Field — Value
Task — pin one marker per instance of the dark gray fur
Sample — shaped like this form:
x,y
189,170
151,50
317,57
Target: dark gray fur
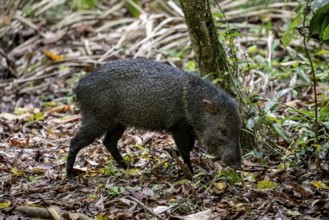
x,y
147,94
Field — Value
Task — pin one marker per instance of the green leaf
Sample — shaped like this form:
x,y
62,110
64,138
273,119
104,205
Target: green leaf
x,y
249,176
84,4
322,51
281,132
291,123
271,117
133,7
191,66
20,111
220,185
252,49
27,7
325,34
324,24
291,31
266,184
320,185
171,52
16,172
324,111
231,177
319,20
271,105
180,182
309,113
5,205
296,20
287,37
37,117
133,172
115,190
293,213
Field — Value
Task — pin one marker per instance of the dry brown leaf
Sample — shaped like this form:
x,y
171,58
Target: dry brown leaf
x,y
53,56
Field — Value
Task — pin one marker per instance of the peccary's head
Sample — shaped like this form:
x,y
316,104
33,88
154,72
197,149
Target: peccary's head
x,y
221,133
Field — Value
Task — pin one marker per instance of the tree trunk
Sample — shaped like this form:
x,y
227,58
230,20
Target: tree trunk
x,y
209,52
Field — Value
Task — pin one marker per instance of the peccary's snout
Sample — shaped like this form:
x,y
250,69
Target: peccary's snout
x,y
229,154
232,156
231,161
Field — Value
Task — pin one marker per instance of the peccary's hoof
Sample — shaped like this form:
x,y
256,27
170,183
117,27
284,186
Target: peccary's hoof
x,y
123,165
71,181
70,177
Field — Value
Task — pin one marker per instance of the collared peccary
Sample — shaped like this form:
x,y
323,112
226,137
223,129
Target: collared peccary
x,y
147,94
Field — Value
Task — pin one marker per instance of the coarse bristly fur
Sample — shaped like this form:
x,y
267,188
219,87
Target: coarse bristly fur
x,y
151,95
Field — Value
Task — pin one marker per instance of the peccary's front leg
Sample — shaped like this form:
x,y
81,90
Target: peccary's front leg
x,y
185,142
192,141
111,141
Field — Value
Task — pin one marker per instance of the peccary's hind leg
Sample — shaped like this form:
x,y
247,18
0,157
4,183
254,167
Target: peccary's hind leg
x,y
86,135
184,141
111,141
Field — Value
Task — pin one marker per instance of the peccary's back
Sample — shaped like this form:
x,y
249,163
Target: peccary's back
x,y
135,92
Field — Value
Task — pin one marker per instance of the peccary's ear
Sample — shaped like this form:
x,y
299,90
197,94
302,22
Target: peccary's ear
x,y
209,106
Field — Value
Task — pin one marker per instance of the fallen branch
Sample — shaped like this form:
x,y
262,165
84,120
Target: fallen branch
x,y
53,212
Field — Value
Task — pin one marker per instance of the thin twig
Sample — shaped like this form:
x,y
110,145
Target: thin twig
x,y
316,122
144,206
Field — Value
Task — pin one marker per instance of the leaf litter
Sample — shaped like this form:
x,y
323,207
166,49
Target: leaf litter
x,y
38,118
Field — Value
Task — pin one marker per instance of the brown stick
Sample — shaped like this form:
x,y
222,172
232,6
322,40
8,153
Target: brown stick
x,y
183,167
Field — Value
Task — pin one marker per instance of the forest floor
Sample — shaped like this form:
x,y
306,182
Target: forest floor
x,y
46,48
